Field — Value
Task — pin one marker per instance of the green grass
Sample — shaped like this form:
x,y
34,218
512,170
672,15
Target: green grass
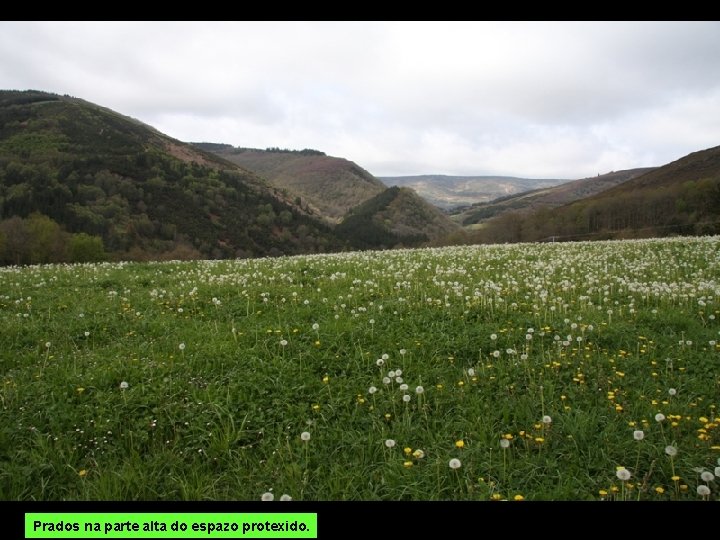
x,y
225,370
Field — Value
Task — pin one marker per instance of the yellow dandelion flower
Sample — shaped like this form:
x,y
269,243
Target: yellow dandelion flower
x,y
539,440
79,389
659,490
388,416
407,464
603,493
614,489
316,407
326,379
675,478
518,497
683,487
82,473
703,420
459,444
496,496
407,450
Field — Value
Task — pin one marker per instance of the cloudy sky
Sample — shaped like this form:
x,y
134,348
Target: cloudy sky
x,y
541,100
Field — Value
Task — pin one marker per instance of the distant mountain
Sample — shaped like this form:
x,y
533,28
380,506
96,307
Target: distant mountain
x,y
449,192
550,197
330,185
397,216
682,197
91,170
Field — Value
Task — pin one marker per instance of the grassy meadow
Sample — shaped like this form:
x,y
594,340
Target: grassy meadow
x,y
528,371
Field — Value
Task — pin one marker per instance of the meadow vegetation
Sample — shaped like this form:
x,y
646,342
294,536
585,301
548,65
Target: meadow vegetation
x,y
528,371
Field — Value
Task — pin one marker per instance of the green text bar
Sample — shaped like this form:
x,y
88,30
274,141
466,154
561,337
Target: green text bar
x,y
151,525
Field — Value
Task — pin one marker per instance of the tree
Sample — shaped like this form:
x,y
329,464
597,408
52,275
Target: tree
x,y
46,239
16,241
86,248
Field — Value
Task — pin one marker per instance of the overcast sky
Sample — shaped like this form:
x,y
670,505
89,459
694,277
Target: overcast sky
x,y
552,100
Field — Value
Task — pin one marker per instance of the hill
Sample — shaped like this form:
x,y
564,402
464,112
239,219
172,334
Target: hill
x,y
682,197
550,197
449,192
397,216
329,185
71,167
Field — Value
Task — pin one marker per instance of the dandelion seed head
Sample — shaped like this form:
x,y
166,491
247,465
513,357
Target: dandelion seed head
x,y
671,451
390,443
707,476
672,391
419,390
181,346
372,390
638,435
305,436
418,454
454,463
379,362
623,474
703,490
504,443
285,497
283,342
659,417
406,398
471,372
267,496
124,385
547,420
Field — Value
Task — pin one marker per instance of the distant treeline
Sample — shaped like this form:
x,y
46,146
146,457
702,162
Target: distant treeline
x,y
277,150
222,147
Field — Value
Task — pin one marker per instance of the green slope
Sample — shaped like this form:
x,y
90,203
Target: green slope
x,y
145,194
397,216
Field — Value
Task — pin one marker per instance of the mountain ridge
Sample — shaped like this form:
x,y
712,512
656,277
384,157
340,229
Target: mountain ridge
x,y
449,192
